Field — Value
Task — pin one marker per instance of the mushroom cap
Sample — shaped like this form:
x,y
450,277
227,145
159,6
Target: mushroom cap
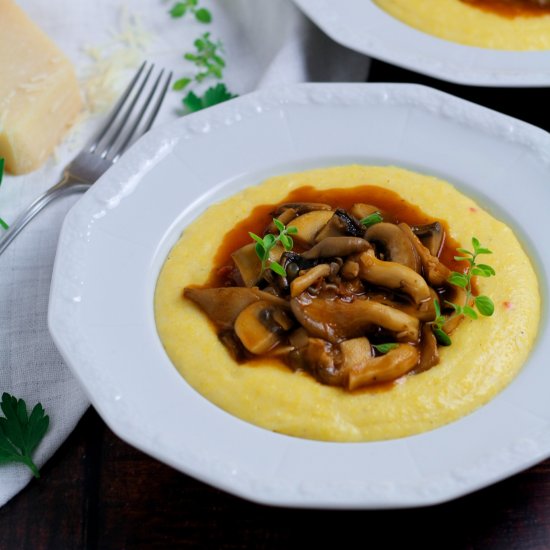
x,y
258,328
394,276
385,368
335,320
333,247
397,247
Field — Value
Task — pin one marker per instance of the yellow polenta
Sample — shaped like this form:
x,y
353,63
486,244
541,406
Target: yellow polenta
x,y
460,22
485,355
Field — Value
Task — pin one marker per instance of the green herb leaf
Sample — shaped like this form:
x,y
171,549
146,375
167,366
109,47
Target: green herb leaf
x,y
292,230
256,238
178,10
269,241
458,279
287,242
279,224
277,268
487,268
203,15
20,433
485,305
442,337
181,83
217,94
437,308
193,102
261,252
384,348
373,218
470,312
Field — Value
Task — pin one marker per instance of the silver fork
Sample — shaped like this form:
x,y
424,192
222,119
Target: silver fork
x,y
106,147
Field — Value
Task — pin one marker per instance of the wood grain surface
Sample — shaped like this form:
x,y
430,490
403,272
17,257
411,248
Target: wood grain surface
x,y
98,492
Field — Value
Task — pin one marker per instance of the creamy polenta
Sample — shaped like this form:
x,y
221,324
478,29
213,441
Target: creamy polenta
x,y
485,355
464,23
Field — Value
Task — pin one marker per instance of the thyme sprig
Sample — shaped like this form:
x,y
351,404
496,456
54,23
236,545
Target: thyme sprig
x,y
266,244
208,60
180,9
481,304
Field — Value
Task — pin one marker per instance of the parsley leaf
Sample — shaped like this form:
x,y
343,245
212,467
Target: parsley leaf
x,y
20,433
212,96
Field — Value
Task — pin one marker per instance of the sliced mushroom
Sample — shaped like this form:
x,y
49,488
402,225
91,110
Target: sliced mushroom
x,y
302,207
395,245
249,265
432,236
424,312
261,326
393,275
319,358
336,247
460,300
385,368
303,282
361,210
222,305
350,270
336,320
285,218
308,225
340,224
429,353
435,272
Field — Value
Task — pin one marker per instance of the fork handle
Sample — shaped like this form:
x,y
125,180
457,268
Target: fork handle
x,y
65,186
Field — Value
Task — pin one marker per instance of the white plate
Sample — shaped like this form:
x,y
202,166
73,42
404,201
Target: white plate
x,y
115,240
363,26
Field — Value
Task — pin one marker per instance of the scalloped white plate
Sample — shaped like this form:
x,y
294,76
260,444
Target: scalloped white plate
x,y
115,240
363,26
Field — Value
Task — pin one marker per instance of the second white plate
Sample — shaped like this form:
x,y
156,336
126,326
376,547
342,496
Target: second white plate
x,y
363,26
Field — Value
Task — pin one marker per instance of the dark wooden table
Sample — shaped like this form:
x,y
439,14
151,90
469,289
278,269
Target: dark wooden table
x,y
97,492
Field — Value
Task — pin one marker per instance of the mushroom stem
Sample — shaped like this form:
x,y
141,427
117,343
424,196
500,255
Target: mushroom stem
x,y
393,275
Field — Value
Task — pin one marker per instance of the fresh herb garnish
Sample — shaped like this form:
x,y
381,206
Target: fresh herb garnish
x,y
179,9
208,61
265,245
212,96
437,326
371,219
384,348
207,57
3,224
20,433
483,304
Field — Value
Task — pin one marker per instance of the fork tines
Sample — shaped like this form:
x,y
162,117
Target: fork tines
x,y
133,114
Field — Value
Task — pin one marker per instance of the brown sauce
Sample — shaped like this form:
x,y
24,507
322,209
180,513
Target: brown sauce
x,y
395,209
511,8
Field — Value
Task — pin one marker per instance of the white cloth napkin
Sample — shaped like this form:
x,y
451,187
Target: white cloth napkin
x,y
267,43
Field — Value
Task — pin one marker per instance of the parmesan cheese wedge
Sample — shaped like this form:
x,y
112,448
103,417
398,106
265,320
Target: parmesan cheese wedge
x,y
39,95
